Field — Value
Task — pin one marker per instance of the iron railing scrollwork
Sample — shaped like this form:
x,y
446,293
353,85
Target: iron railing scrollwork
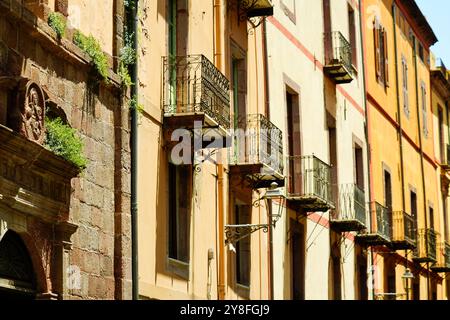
x,y
404,227
192,84
426,244
259,141
351,204
443,255
339,50
381,221
309,177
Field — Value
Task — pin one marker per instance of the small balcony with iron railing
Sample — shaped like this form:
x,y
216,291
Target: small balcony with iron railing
x,y
445,161
338,57
195,91
426,246
404,235
255,8
309,183
442,258
257,152
380,231
350,213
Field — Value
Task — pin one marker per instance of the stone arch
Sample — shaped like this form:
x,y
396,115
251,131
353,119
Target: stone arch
x,y
41,278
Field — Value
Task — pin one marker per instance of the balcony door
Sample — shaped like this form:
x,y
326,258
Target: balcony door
x,y
294,142
178,35
298,260
388,198
242,142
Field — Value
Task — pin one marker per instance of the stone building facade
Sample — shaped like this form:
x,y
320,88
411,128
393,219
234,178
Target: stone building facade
x,y
64,232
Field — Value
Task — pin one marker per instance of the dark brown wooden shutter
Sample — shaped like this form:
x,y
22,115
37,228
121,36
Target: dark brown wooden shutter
x,y
377,48
385,58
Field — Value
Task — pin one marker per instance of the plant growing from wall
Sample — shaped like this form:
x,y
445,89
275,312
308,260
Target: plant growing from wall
x,y
134,105
92,47
57,22
64,141
127,58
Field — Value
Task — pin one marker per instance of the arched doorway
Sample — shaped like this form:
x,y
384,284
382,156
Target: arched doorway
x,y
17,279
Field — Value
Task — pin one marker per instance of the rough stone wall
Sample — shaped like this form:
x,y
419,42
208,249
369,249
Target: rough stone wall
x,y
100,195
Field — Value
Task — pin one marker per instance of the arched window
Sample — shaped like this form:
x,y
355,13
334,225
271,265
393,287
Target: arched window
x,y
16,270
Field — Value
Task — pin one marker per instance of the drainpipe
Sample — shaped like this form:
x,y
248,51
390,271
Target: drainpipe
x,y
399,117
267,111
366,130
133,24
448,122
399,111
218,56
416,78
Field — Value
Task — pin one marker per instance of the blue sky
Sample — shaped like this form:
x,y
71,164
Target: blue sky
x,y
437,13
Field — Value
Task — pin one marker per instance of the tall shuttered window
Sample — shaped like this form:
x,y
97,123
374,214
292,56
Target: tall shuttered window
x,y
381,53
180,180
423,93
243,217
405,86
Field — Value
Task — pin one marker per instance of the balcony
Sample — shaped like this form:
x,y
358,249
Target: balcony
x,y
309,183
442,258
338,58
350,212
257,152
404,234
194,90
380,232
445,163
256,8
426,246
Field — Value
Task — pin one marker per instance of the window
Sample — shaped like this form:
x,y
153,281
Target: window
x,y
431,211
390,278
298,253
405,86
294,140
352,35
381,54
180,180
416,288
359,167
413,199
423,92
239,88
421,52
242,217
441,134
387,190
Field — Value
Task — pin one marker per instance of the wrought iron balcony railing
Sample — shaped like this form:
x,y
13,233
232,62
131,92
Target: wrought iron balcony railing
x,y
350,212
442,258
380,231
309,183
404,231
192,87
258,150
426,246
338,57
446,158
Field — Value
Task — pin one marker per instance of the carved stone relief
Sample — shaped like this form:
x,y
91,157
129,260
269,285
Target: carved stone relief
x,y
27,117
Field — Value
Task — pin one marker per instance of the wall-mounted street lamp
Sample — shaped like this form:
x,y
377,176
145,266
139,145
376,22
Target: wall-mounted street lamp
x,y
407,278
